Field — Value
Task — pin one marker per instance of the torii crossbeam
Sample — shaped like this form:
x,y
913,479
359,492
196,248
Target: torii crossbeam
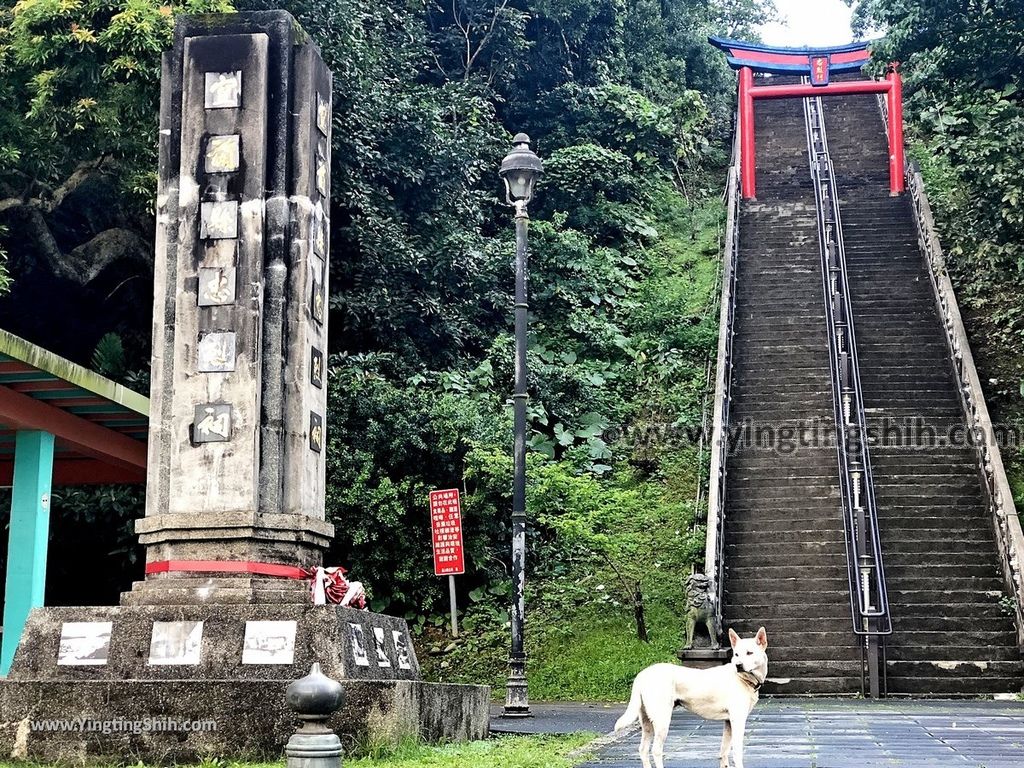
x,y
816,64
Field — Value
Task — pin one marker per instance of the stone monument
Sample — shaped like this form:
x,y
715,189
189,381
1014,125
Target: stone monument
x,y
196,659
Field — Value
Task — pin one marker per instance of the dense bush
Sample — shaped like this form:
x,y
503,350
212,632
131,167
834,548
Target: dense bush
x,y
963,64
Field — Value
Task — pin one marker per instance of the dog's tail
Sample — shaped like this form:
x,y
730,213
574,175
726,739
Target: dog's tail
x,y
632,709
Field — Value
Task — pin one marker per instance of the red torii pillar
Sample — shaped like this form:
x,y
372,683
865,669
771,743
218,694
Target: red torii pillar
x,y
892,87
746,128
895,109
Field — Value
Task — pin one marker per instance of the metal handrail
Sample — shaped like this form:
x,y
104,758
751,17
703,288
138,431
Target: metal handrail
x,y
869,600
714,553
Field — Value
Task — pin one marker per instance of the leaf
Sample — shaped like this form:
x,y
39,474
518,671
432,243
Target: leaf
x,y
109,357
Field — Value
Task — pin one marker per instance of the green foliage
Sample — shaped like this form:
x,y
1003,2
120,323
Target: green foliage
x,y
626,527
633,507
79,81
498,752
109,358
390,443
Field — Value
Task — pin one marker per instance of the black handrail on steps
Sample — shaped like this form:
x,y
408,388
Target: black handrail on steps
x,y
869,600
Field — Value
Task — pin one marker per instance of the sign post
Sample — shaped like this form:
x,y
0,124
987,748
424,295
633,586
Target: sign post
x,y
446,530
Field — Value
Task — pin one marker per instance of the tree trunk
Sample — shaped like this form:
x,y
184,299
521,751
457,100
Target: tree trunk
x,y
638,614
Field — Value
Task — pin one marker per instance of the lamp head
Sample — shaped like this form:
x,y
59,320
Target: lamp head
x,y
520,170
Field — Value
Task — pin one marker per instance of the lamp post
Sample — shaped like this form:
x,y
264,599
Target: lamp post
x,y
519,170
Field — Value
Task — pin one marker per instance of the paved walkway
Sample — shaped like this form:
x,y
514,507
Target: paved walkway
x,y
562,717
818,733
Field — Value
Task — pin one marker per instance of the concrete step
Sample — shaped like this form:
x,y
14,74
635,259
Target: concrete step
x,y
761,477
794,591
737,560
827,524
806,683
915,549
780,608
952,670
929,569
895,651
998,624
898,598
784,575
897,582
814,510
962,686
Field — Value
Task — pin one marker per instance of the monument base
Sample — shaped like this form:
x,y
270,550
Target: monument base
x,y
182,683
179,590
703,658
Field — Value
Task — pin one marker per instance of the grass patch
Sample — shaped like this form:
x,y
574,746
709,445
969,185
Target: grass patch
x,y
594,656
581,653
500,752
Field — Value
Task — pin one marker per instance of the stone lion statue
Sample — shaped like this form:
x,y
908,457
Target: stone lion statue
x,y
700,609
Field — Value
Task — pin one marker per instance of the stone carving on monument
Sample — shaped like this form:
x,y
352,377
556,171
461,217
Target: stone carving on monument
x,y
235,527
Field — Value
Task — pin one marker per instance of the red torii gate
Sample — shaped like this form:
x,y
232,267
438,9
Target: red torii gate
x,y
817,64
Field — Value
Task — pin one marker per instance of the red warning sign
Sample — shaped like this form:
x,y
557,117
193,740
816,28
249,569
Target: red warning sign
x,y
446,525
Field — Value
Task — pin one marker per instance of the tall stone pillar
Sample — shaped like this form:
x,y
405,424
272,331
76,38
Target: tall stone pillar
x,y
235,494
224,619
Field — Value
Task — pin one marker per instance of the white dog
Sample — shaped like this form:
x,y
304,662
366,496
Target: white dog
x,y
728,693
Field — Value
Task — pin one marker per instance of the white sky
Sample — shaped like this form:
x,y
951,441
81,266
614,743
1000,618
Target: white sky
x,y
813,23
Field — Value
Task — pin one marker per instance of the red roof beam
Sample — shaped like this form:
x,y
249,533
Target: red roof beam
x,y
49,385
79,471
23,412
70,402
16,366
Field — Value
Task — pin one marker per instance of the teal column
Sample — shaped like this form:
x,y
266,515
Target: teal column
x,y
29,532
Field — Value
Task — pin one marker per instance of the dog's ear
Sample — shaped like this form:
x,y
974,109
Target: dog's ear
x,y
733,637
761,638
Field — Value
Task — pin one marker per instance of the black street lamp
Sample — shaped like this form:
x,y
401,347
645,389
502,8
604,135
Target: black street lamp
x,y
519,170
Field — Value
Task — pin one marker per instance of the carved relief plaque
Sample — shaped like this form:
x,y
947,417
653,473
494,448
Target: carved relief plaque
x,y
217,353
317,300
84,643
218,220
222,154
323,114
212,423
316,368
269,642
216,286
316,432
223,90
176,642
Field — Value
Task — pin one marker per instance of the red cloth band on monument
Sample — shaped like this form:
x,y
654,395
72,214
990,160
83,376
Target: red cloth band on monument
x,y
328,584
228,566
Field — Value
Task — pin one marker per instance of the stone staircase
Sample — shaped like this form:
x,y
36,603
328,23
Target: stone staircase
x,y
950,635
784,542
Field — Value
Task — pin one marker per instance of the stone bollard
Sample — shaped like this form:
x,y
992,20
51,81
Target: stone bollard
x,y
314,745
